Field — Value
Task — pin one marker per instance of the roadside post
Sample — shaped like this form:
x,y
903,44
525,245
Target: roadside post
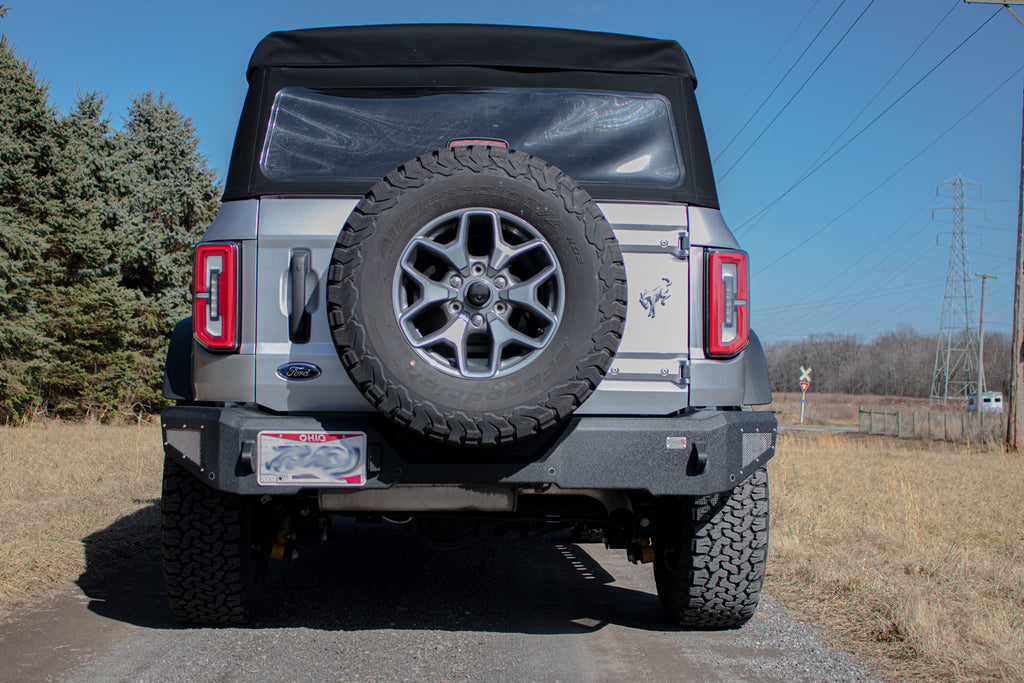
x,y
805,381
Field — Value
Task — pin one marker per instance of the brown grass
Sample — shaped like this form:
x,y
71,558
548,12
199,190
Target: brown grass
x,y
61,482
841,409
912,551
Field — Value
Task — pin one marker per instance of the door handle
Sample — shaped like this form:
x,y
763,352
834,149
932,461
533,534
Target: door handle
x,y
298,316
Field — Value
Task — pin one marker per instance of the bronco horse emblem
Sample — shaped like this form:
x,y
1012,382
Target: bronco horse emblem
x,y
650,298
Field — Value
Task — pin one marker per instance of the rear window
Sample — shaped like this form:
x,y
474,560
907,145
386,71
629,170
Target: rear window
x,y
596,137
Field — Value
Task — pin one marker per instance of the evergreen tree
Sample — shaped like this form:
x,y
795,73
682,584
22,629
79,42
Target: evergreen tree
x,y
97,228
87,314
28,154
170,198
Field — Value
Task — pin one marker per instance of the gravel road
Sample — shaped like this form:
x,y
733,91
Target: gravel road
x,y
374,604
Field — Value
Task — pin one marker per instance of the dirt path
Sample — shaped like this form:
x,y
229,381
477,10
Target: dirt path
x,y
375,605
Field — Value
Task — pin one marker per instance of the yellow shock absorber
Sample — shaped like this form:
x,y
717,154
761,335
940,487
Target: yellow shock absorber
x,y
646,551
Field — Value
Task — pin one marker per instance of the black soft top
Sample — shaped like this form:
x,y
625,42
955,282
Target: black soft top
x,y
505,47
413,57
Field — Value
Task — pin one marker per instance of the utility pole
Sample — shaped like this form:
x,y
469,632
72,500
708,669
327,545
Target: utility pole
x,y
981,337
1015,418
1015,415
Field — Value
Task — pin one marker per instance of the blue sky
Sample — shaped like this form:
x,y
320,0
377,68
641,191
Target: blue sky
x,y
852,249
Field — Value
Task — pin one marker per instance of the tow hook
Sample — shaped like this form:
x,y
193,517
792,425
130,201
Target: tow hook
x,y
640,552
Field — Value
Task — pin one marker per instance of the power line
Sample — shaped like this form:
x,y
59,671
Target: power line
x,y
763,71
874,317
894,173
870,123
835,300
884,286
813,167
878,245
798,91
784,77
864,297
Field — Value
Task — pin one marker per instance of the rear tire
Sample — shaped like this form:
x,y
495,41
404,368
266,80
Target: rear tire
x,y
710,561
213,571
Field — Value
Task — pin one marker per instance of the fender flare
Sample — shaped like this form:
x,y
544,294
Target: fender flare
x,y
178,367
757,385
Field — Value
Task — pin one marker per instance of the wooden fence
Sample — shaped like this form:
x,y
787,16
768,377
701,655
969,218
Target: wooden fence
x,y
932,425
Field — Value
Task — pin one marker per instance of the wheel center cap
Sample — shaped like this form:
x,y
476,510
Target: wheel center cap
x,y
478,294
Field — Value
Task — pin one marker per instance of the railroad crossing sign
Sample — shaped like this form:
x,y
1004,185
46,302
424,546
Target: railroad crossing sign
x,y
805,381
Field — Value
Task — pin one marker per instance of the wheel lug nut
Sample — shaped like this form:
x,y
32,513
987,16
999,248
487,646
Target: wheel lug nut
x,y
499,308
455,307
456,281
500,282
477,320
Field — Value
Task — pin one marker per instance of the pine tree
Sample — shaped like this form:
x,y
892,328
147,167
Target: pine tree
x,y
171,198
88,315
97,228
28,153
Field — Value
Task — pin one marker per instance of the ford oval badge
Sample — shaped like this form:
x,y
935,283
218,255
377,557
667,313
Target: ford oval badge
x,y
298,371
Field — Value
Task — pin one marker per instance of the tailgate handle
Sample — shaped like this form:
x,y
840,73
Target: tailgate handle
x,y
298,316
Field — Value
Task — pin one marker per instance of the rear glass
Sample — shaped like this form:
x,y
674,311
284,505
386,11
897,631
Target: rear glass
x,y
596,137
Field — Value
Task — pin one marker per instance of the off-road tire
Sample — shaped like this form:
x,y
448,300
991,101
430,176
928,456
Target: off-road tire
x,y
388,370
213,571
710,565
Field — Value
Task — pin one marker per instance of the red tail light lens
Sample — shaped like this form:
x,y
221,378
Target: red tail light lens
x,y
469,142
215,295
728,306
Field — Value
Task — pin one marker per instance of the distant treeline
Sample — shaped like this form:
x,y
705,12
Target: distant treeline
x,y
97,226
898,363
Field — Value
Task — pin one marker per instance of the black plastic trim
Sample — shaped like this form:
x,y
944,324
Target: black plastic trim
x,y
613,453
757,383
178,367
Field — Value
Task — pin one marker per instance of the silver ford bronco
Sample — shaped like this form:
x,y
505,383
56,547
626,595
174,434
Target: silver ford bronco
x,y
470,279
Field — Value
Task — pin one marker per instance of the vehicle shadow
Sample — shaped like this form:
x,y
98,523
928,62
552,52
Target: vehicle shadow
x,y
122,576
379,576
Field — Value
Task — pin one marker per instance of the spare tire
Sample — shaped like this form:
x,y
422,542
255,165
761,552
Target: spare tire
x,y
476,296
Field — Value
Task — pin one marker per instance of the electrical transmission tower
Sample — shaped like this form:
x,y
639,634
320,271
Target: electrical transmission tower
x,y
955,376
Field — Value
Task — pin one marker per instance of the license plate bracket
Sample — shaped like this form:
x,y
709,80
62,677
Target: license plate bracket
x,y
311,458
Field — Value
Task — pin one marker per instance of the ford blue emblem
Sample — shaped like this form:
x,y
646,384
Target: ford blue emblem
x,y
298,371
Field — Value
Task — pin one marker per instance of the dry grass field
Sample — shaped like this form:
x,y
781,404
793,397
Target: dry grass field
x,y
911,552
61,482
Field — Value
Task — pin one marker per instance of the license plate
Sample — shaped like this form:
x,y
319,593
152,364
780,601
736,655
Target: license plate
x,y
311,458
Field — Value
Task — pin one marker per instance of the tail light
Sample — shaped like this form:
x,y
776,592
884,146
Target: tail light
x,y
215,302
728,305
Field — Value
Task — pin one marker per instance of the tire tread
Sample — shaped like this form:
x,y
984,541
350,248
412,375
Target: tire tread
x,y
208,561
393,400
713,579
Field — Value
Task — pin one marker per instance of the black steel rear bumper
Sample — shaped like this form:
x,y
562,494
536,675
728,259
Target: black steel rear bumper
x,y
695,453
